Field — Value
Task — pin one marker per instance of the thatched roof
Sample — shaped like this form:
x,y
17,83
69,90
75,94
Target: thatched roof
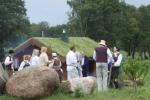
x,y
84,44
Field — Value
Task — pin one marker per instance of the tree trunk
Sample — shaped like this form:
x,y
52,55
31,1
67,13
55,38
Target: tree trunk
x,y
133,51
148,49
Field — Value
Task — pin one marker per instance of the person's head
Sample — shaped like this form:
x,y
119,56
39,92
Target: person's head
x,y
35,52
116,49
54,55
102,42
11,52
26,57
73,48
43,49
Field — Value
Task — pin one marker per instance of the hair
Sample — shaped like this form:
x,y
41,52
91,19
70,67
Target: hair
x,y
26,57
11,51
73,47
118,49
43,49
35,52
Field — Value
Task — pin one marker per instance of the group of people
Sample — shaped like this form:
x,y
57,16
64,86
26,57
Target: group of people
x,y
107,65
38,58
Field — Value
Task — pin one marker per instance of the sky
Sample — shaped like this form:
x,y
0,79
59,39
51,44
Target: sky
x,y
55,11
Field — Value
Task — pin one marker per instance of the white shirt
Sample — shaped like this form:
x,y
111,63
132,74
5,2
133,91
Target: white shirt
x,y
35,60
82,61
23,64
109,55
8,60
119,60
71,59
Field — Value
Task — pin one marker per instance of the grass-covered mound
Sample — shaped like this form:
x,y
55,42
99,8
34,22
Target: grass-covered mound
x,y
84,44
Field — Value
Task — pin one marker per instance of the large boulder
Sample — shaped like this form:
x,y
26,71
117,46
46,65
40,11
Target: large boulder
x,y
33,82
86,84
3,79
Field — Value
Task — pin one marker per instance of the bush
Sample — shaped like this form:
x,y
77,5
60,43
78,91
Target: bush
x,y
78,93
136,70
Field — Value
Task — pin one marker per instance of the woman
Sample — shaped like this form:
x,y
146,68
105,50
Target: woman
x,y
35,60
56,64
116,67
44,57
25,63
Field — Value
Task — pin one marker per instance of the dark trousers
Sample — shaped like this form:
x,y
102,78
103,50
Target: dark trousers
x,y
114,77
84,71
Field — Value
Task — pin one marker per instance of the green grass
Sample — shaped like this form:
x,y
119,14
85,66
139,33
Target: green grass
x,y
128,93
84,44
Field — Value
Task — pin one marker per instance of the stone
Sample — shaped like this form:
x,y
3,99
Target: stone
x,y
33,82
86,84
3,79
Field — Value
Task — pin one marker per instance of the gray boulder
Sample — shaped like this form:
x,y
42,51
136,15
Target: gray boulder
x,y
86,84
3,79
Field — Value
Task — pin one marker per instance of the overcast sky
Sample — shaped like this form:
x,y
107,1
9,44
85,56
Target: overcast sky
x,y
55,11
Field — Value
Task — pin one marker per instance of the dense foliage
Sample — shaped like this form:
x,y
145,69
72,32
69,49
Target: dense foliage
x,y
115,21
13,21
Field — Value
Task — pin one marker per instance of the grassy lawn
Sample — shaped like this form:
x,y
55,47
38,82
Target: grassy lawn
x,y
128,93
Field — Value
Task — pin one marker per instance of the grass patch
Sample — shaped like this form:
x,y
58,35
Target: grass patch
x,y
126,93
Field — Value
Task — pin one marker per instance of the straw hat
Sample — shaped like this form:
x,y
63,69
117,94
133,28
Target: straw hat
x,y
102,42
54,54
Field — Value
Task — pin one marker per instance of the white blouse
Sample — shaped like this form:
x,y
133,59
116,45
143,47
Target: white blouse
x,y
35,61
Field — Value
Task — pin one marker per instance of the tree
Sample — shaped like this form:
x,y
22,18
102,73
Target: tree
x,y
98,19
37,29
130,30
49,31
13,20
144,24
115,21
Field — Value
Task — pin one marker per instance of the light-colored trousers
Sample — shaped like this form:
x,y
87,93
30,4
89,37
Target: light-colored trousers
x,y
72,72
102,75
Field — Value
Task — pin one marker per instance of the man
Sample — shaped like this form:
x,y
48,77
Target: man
x,y
71,61
85,65
101,54
56,64
9,63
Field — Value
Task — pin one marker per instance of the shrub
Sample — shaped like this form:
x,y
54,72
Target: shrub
x,y
78,93
136,70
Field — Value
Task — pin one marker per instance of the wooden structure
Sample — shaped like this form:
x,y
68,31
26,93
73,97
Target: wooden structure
x,y
57,45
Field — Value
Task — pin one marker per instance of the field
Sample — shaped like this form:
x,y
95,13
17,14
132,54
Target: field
x,y
126,93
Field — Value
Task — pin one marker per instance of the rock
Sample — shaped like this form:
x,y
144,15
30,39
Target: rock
x,y
33,82
3,79
65,86
86,84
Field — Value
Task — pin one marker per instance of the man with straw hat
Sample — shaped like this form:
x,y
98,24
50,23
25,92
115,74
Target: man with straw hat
x,y
101,54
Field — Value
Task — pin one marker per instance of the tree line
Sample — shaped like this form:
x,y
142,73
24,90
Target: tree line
x,y
113,20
